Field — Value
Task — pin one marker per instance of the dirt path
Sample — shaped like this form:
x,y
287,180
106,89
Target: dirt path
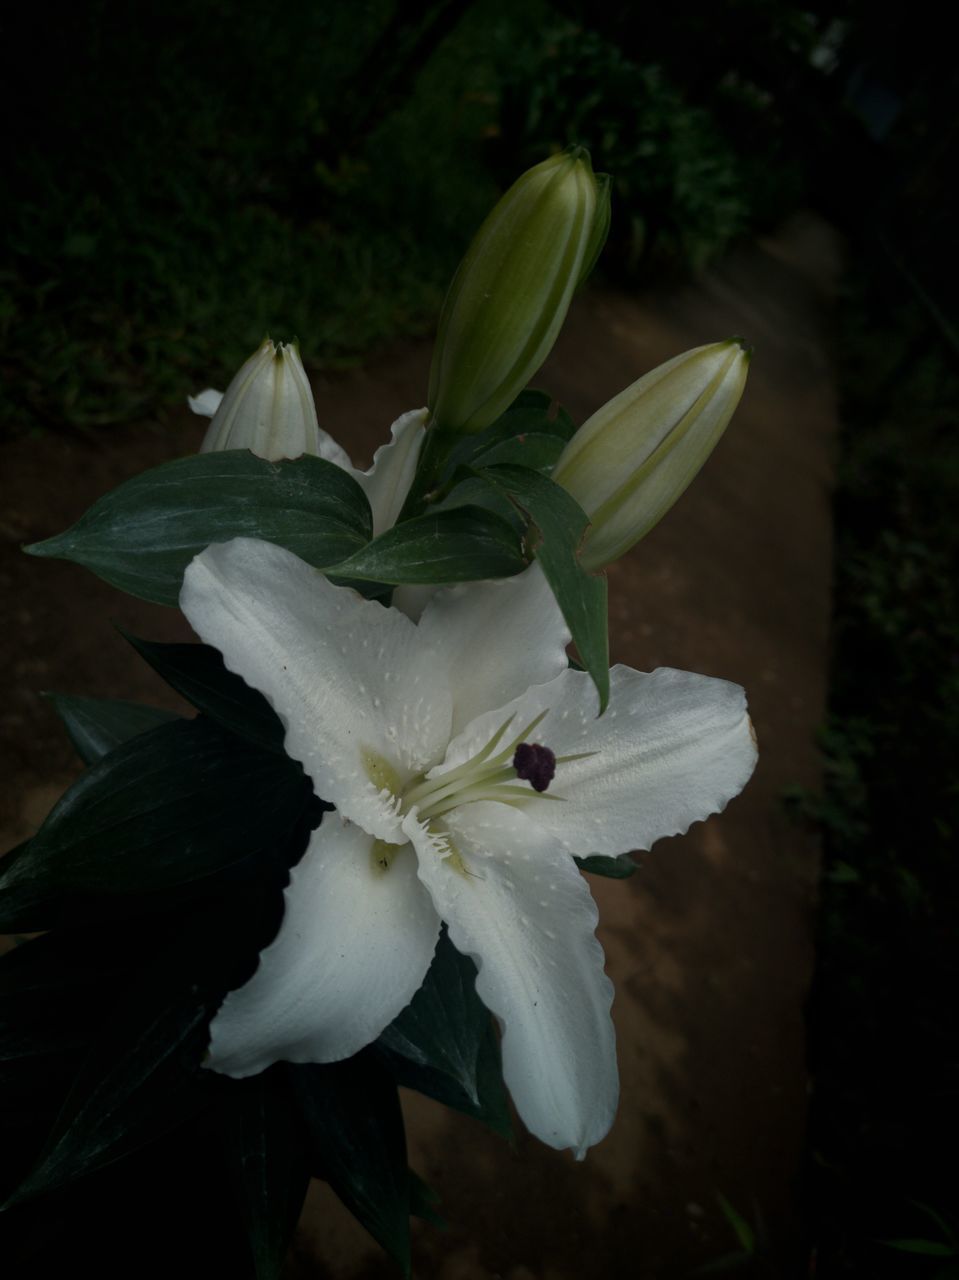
x,y
709,946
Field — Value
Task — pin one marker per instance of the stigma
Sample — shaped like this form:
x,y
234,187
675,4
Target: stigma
x,y
535,764
510,774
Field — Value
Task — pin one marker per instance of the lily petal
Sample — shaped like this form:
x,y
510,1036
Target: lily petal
x,y
522,910
672,748
388,481
498,638
352,951
206,403
352,682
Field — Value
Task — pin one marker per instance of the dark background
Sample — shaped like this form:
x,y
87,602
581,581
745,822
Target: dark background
x,y
180,175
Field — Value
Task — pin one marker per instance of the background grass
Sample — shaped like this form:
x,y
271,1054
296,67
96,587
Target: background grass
x,y
190,177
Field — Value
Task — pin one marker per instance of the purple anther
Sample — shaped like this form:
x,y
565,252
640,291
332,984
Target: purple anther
x,y
535,764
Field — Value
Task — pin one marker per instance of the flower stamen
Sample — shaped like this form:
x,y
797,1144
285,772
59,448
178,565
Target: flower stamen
x,y
490,774
535,763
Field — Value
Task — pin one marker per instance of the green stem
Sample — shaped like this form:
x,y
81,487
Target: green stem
x,y
437,448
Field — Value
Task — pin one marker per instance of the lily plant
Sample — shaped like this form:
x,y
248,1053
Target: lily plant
x,y
361,863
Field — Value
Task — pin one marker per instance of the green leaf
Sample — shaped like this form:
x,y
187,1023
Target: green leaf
x,y
49,990
55,992
618,868
134,1086
531,433
143,535
197,671
743,1231
471,490
531,412
492,1107
462,545
940,1222
561,523
168,810
97,725
267,1162
443,1044
533,449
931,1248
354,1130
141,1076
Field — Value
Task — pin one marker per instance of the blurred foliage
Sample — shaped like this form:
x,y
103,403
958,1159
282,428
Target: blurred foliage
x,y
687,179
188,177
885,1036
185,186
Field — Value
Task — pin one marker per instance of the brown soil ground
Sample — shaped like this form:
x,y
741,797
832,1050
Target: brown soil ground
x,y
710,944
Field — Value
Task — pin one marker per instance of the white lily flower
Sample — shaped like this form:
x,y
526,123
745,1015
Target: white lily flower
x,y
268,408
467,765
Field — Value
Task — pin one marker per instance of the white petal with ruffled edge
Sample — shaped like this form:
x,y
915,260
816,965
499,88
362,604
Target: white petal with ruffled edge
x,y
206,403
672,748
522,910
352,951
353,683
388,481
497,639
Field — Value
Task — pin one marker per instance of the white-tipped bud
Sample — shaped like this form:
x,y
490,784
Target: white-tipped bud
x,y
629,463
268,407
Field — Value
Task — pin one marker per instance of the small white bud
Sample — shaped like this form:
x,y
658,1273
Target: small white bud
x,y
268,408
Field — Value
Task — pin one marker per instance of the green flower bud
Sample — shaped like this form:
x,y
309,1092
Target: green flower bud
x,y
268,407
510,295
629,463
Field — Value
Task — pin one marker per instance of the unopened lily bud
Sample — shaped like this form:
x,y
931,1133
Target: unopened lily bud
x,y
268,407
629,463
510,295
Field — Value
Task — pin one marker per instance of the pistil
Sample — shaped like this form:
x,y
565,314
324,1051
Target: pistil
x,y
489,775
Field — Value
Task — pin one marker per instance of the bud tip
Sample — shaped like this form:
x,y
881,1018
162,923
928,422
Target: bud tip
x,y
744,346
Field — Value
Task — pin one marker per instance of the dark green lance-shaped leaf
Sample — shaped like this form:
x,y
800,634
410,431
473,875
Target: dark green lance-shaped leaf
x,y
141,1076
53,992
137,1083
443,1043
560,523
198,673
462,545
56,992
97,725
531,433
930,1248
491,1107
470,490
266,1156
143,535
354,1128
533,449
444,1024
168,810
618,868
